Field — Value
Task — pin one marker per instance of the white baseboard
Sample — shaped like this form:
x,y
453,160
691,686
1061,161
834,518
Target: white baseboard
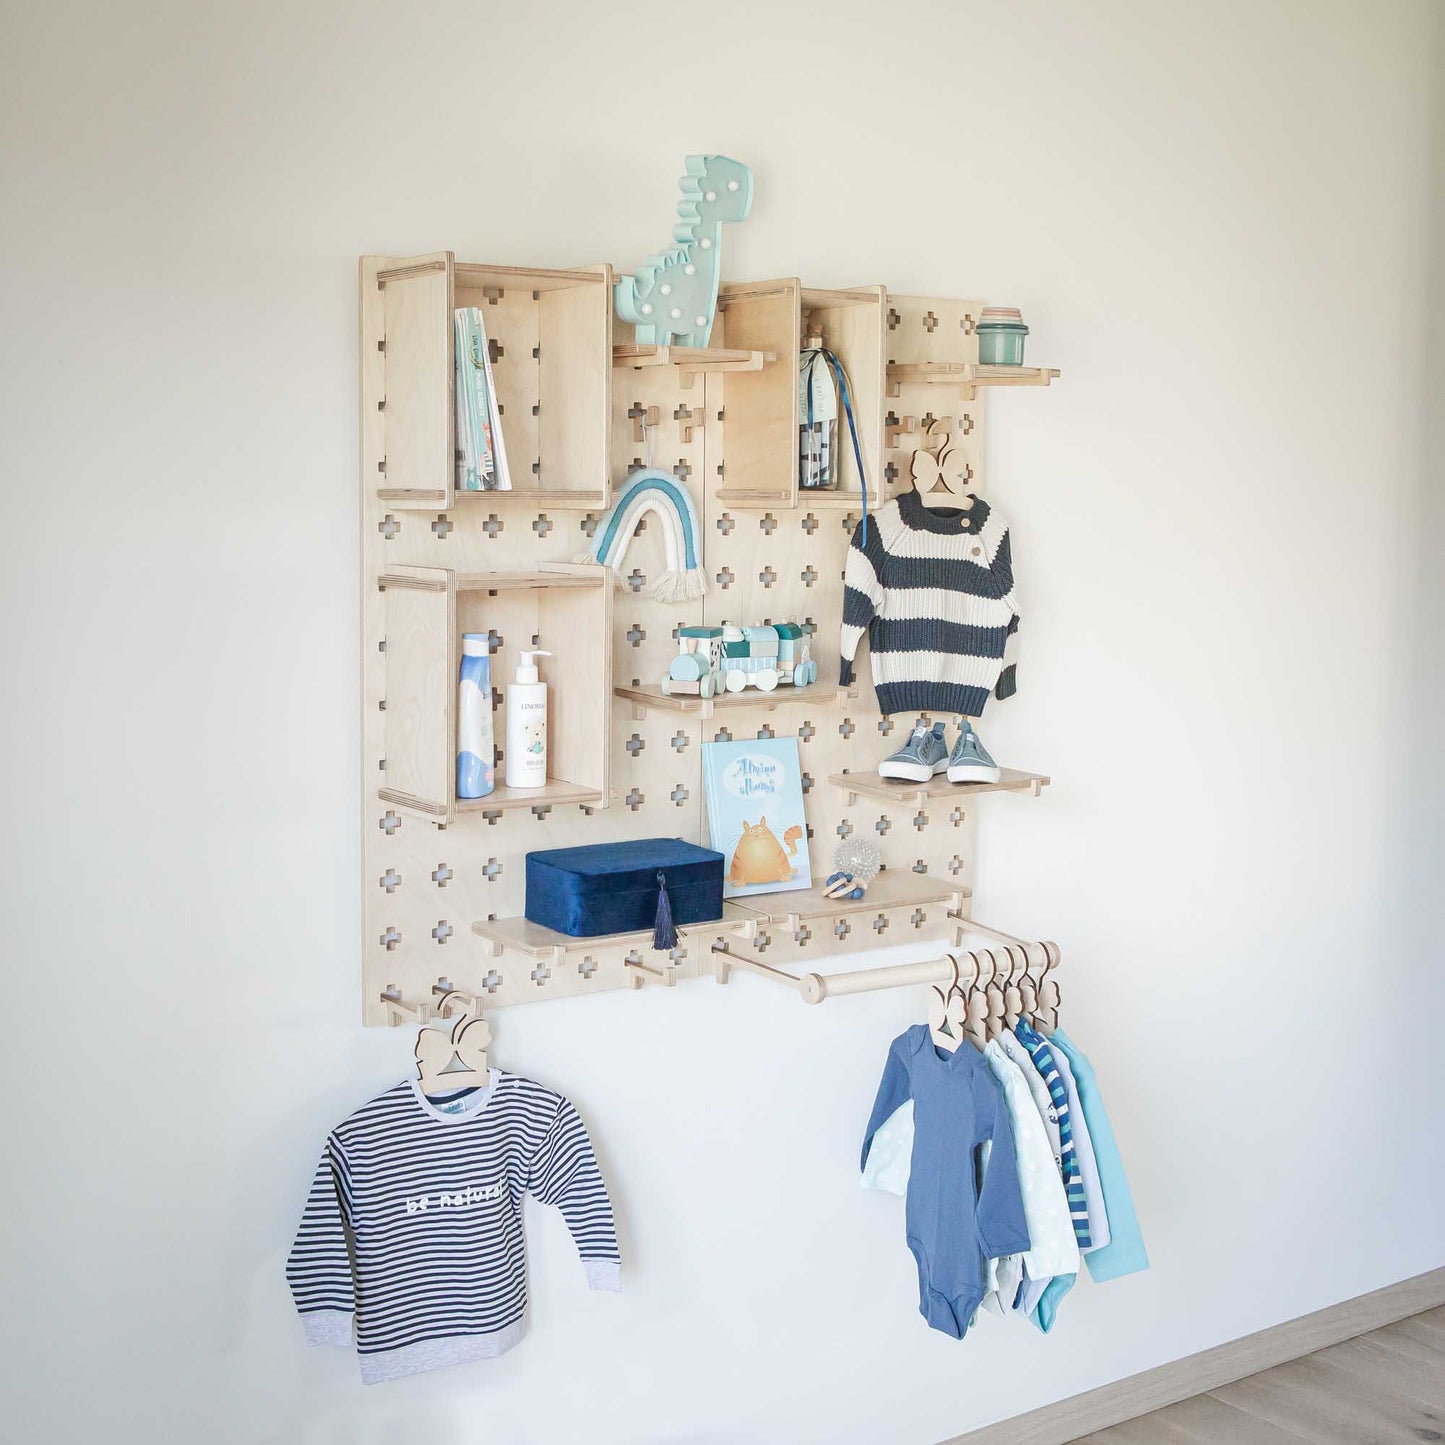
x,y
1137,1395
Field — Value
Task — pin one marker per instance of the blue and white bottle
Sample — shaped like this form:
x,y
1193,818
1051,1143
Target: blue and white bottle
x,y
476,752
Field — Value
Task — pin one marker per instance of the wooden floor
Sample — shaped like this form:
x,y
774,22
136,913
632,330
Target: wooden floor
x,y
1380,1388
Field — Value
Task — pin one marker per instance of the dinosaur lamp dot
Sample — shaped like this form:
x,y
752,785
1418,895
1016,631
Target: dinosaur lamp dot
x,y
672,297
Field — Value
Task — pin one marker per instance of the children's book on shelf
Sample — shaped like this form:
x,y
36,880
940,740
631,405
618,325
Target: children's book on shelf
x,y
481,452
755,815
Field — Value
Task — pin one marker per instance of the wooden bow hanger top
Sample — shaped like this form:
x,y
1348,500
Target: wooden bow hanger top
x,y
448,1062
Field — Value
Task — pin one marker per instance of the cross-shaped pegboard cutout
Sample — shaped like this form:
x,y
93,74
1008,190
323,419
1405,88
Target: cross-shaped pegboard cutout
x,y
493,525
808,575
540,810
722,735
635,634
542,525
930,322
680,740
767,576
636,579
766,731
809,524
893,319
725,578
540,974
388,526
807,732
676,955
920,820
885,725
635,745
956,817
846,728
801,934
493,981
635,799
686,420
762,942
441,875
442,985
955,865
589,523
890,472
920,867
880,924
966,324
807,781
442,931
390,938
388,822
883,824
842,928
725,523
768,524
390,880
682,471
442,526
849,524
587,965
679,795
491,870
844,829
492,815
918,918
495,350
495,640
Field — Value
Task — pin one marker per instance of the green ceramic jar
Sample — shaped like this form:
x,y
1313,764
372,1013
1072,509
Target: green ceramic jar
x,y
1001,333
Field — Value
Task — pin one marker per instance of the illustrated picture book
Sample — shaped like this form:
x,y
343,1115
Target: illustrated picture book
x,y
755,815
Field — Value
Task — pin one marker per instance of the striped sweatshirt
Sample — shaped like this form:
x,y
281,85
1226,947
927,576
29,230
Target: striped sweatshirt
x,y
934,590
411,1241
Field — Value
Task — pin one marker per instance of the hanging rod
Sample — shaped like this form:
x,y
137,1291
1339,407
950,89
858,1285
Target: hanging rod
x,y
815,987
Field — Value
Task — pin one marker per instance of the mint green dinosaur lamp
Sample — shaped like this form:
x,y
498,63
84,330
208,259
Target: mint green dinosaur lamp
x,y
672,297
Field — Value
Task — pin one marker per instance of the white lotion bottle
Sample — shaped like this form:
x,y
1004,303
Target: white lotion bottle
x,y
527,725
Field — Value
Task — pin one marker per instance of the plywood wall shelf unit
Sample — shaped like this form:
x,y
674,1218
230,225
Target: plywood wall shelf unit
x,y
627,761
894,790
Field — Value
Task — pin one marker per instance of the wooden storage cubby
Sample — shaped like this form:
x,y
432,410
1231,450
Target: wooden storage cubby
x,y
562,608
550,335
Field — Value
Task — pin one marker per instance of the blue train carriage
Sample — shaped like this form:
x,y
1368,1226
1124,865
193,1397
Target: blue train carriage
x,y
696,671
765,657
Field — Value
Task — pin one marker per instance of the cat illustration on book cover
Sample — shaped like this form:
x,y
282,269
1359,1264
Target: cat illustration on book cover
x,y
759,857
755,814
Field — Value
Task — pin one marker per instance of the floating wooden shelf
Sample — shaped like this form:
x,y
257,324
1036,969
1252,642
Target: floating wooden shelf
x,y
893,790
555,792
537,496
652,697
690,360
966,376
893,888
526,580
837,499
521,935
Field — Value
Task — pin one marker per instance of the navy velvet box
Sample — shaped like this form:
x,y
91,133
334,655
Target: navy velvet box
x,y
614,888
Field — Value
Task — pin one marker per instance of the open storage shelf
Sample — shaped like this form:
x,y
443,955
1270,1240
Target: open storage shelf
x,y
550,338
521,935
894,790
692,361
966,376
649,696
565,608
893,888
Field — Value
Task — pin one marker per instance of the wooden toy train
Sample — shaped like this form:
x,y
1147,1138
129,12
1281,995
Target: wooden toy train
x,y
711,660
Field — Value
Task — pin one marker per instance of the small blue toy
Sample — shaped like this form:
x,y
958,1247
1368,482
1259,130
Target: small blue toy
x,y
672,296
696,671
856,864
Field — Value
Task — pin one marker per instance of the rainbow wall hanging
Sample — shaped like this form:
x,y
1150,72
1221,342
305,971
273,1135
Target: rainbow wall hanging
x,y
653,493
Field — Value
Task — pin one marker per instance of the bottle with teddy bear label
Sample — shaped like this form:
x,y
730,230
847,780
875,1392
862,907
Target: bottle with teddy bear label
x,y
527,725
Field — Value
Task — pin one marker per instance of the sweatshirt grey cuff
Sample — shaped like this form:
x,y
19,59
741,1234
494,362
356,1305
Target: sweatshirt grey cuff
x,y
328,1327
603,1274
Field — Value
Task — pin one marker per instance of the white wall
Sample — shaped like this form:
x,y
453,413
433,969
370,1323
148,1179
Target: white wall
x,y
1217,221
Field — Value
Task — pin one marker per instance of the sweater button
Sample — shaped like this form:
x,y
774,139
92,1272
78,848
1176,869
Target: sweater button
x,y
977,550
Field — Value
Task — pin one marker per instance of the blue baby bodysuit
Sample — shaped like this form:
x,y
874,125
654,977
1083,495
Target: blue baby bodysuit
x,y
954,1225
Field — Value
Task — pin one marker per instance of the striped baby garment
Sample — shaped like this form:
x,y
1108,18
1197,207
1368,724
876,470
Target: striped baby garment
x,y
934,591
411,1241
1042,1055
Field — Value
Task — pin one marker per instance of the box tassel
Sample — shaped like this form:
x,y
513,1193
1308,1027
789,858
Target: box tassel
x,y
664,933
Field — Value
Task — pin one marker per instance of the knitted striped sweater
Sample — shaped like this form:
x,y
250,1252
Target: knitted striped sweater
x,y
934,590
411,1244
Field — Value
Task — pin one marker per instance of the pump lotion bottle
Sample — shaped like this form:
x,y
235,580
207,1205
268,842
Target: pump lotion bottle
x,y
527,725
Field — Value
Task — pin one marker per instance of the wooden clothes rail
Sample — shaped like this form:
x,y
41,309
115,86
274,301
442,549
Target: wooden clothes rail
x,y
1021,956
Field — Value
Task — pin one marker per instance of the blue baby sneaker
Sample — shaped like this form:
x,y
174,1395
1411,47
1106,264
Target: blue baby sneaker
x,y
970,761
922,757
